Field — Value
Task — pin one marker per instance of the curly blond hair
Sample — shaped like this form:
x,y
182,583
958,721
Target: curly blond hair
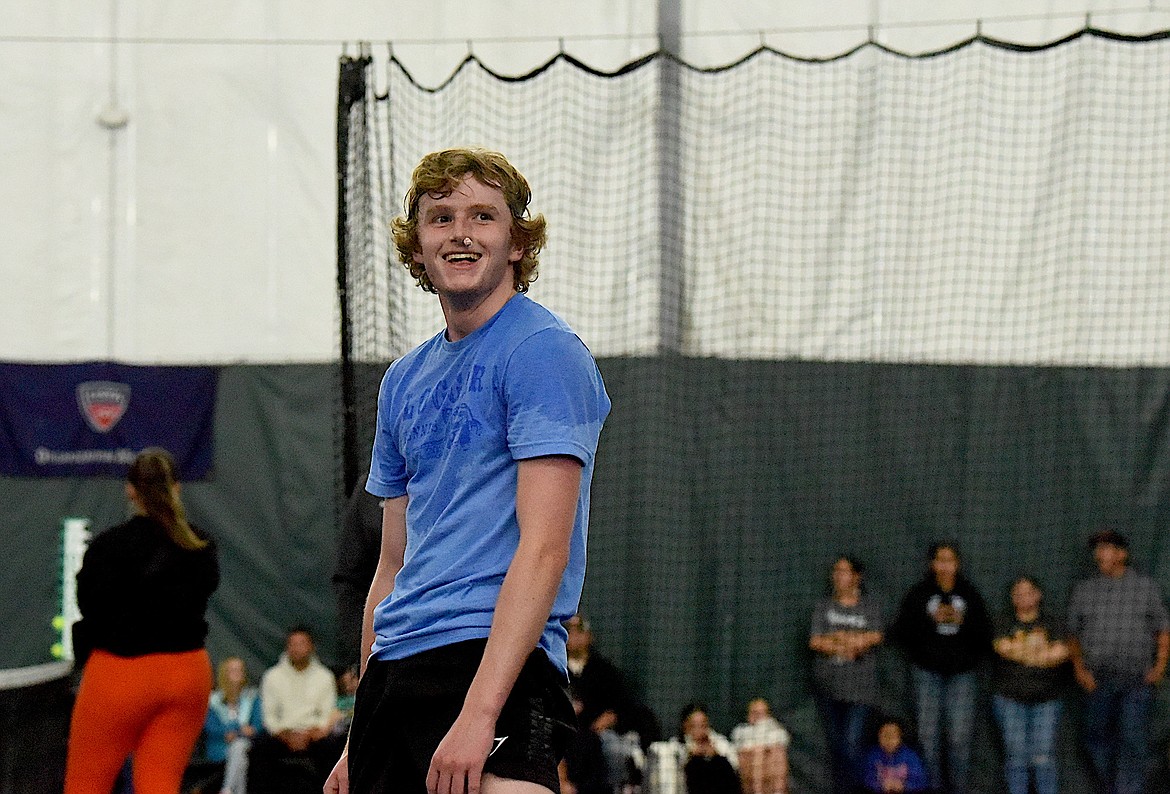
x,y
440,173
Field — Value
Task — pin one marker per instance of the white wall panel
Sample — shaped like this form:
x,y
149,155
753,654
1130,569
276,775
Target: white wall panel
x,y
221,195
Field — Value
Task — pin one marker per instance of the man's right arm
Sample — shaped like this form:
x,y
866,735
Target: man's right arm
x,y
390,559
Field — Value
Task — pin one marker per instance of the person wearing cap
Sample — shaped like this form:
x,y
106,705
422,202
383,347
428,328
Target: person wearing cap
x,y
1119,645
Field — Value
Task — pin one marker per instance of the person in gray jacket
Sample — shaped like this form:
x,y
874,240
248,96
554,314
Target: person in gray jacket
x,y
1119,644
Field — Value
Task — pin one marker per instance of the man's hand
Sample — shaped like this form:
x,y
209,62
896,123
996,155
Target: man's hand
x,y
1155,675
605,721
458,761
1084,678
338,780
297,741
704,747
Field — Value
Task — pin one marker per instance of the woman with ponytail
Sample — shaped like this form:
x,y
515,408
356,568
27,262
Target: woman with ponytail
x,y
142,590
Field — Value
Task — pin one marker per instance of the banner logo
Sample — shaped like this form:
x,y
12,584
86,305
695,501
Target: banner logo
x,y
102,403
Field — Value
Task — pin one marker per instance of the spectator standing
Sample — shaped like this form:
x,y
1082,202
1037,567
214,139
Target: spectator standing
x,y
1027,680
944,626
845,633
1120,642
142,591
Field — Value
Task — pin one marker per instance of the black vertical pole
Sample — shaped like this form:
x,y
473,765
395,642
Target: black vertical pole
x,y
351,91
671,281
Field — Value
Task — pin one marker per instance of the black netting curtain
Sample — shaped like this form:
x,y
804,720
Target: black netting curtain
x,y
847,306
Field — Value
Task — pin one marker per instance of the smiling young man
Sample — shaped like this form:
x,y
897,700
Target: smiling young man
x,y
484,455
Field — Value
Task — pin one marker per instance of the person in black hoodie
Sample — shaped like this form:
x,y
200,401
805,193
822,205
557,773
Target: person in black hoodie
x,y
142,591
944,627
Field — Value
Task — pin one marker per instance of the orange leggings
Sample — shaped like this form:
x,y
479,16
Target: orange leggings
x,y
152,706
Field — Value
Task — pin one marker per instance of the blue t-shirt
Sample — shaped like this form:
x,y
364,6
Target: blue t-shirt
x,y
453,420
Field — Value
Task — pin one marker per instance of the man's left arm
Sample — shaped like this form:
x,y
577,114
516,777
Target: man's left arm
x,y
546,505
1160,618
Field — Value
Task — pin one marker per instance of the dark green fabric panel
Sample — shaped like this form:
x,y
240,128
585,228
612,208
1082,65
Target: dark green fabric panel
x,y
724,489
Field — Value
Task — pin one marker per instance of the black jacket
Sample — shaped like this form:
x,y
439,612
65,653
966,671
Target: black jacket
x,y
139,593
946,648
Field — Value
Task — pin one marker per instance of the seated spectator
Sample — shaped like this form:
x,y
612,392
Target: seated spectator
x,y
761,744
607,700
584,769
347,684
698,761
893,765
299,699
234,718
608,708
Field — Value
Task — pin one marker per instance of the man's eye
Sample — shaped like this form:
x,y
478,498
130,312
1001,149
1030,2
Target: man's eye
x,y
485,216
441,219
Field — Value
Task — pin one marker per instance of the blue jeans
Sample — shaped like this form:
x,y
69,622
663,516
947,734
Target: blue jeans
x,y
845,725
1029,742
945,700
1117,719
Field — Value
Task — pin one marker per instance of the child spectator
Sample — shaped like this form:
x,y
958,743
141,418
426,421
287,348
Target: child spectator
x,y
347,684
892,765
762,746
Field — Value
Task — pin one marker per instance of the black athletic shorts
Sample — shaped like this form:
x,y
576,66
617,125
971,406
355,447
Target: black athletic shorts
x,y
405,707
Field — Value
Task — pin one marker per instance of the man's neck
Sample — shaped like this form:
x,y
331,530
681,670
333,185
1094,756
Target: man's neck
x,y
465,318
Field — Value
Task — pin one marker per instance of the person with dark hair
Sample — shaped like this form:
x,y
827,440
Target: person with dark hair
x,y
1027,681
846,630
299,699
944,627
142,591
1119,643
609,709
697,761
483,455
893,765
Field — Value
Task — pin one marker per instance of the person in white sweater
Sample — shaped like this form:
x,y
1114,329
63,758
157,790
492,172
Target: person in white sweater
x,y
299,699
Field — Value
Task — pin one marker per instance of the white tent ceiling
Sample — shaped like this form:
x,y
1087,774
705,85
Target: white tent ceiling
x,y
203,229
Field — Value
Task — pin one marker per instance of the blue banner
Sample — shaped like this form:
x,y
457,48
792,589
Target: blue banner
x,y
90,420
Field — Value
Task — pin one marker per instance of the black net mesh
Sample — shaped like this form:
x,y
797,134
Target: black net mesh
x,y
853,306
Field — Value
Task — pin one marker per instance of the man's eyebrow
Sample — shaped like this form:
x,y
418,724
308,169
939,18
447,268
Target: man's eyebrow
x,y
437,208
